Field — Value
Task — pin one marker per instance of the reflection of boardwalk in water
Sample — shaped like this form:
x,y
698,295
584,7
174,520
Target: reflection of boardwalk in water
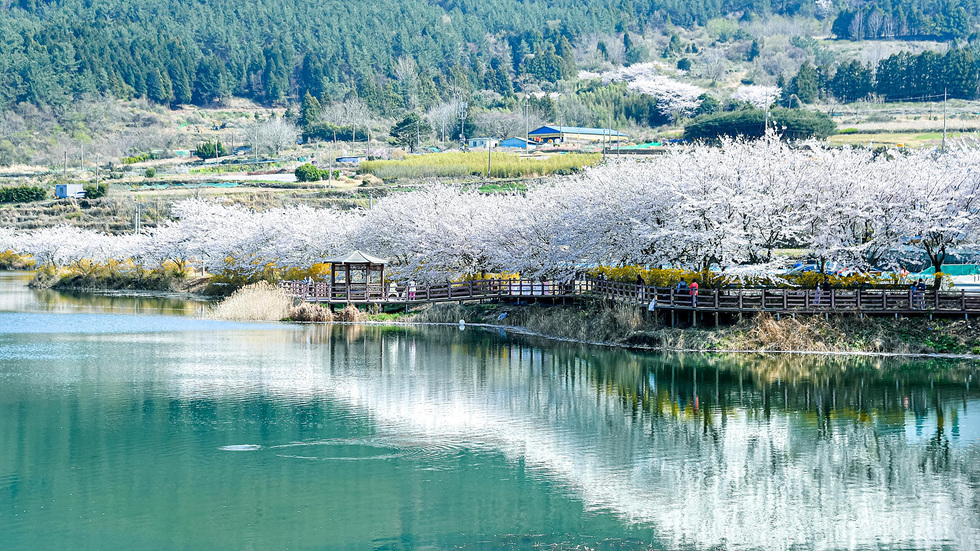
x,y
704,463
872,302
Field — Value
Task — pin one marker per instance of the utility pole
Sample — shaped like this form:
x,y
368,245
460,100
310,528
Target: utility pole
x,y
97,159
462,125
66,163
527,128
944,118
136,221
418,137
609,140
489,143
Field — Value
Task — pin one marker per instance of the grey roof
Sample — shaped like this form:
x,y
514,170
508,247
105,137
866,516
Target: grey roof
x,y
356,257
551,129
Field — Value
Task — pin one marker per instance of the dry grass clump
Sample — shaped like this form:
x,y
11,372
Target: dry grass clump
x,y
310,312
596,321
817,334
260,301
449,312
350,313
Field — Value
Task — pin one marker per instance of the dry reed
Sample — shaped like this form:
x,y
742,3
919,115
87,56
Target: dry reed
x,y
310,312
260,301
350,313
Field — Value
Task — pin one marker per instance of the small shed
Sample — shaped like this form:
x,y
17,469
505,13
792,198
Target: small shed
x,y
481,143
357,276
69,191
349,159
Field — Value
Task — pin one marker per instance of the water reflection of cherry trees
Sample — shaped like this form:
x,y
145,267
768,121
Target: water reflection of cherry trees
x,y
708,450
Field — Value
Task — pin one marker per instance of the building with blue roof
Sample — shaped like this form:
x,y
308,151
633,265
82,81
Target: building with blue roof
x,y
580,134
517,143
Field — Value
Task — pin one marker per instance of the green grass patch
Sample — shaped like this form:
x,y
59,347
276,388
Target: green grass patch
x,y
223,169
506,187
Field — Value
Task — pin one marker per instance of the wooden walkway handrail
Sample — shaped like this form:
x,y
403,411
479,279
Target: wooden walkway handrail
x,y
736,300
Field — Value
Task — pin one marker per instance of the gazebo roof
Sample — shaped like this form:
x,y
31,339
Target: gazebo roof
x,y
356,257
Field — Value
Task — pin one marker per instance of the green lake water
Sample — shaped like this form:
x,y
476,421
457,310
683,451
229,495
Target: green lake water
x,y
128,423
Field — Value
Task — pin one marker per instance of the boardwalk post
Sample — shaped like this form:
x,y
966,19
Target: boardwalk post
x,y
806,299
884,299
471,288
785,292
833,297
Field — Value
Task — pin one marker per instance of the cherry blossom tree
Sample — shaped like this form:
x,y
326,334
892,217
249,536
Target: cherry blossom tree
x,y
729,208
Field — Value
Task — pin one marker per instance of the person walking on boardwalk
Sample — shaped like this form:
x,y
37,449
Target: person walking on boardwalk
x,y
694,294
825,287
411,289
920,294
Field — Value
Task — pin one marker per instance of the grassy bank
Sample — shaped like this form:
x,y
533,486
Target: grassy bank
x,y
618,324
85,275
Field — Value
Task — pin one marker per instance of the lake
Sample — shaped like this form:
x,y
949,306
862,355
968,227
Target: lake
x,y
129,423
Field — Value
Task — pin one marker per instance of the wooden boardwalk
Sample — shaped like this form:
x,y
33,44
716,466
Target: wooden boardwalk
x,y
874,302
481,289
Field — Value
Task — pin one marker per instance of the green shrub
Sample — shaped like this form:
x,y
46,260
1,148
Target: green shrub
x,y
138,158
308,173
210,150
94,192
150,172
22,194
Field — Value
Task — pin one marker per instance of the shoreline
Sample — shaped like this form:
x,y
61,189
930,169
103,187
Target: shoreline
x,y
583,319
523,331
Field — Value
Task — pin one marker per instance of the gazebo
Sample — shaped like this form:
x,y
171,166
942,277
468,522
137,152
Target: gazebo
x,y
357,276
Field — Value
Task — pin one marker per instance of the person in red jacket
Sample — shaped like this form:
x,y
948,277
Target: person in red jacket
x,y
694,294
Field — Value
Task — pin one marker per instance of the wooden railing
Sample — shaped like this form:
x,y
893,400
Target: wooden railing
x,y
789,300
871,301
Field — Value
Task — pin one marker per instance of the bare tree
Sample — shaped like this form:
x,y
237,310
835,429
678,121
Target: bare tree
x,y
276,134
352,112
407,73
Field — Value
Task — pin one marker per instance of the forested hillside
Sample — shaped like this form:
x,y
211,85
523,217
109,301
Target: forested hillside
x,y
392,53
